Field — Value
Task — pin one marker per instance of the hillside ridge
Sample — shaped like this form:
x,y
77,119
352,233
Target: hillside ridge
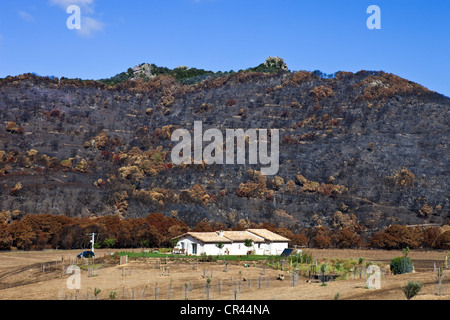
x,y
366,148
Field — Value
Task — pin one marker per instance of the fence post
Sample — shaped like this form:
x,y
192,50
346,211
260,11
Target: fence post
x,y
439,274
219,286
156,292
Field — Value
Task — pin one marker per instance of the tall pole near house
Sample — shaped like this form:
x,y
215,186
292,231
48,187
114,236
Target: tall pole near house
x,y
92,241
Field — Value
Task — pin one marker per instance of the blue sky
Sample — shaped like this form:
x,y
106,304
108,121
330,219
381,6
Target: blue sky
x,y
222,35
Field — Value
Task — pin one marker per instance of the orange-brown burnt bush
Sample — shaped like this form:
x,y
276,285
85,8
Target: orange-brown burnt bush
x,y
398,237
347,238
403,178
253,189
320,237
387,85
322,92
137,163
246,76
300,77
157,196
431,237
300,240
12,127
15,190
322,241
200,194
344,74
444,240
437,237
102,142
330,190
165,133
163,224
36,232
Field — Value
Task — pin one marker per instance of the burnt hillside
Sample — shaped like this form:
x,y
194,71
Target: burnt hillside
x,y
370,148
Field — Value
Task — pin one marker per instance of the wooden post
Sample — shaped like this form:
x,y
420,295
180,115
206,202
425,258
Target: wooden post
x,y
156,292
440,273
143,293
219,286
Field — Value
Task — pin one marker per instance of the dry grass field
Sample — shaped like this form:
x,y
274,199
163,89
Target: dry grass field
x,y
22,277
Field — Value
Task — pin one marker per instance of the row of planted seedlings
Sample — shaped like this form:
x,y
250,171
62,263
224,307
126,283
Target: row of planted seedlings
x,y
335,269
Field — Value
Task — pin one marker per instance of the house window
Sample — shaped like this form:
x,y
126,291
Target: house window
x,y
182,245
259,245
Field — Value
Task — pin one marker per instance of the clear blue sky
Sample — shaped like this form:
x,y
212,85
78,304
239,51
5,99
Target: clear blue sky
x,y
222,35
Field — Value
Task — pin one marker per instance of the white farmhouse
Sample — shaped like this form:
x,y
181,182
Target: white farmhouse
x,y
263,242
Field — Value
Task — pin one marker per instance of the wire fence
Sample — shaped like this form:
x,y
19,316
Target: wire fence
x,y
223,289
440,287
220,282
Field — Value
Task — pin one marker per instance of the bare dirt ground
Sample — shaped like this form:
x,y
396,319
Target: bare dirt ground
x,y
22,277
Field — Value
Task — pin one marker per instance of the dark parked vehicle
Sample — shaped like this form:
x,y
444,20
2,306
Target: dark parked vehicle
x,y
86,254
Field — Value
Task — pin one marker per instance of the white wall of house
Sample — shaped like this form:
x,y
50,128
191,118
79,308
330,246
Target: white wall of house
x,y
274,248
210,249
188,243
237,249
193,246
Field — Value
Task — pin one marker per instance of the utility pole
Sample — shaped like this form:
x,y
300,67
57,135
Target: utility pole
x,y
92,240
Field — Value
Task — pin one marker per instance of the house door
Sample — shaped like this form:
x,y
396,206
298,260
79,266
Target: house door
x,y
194,248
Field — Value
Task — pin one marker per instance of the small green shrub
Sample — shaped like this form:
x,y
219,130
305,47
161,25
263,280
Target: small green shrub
x,y
112,295
401,265
306,257
145,243
412,289
109,242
